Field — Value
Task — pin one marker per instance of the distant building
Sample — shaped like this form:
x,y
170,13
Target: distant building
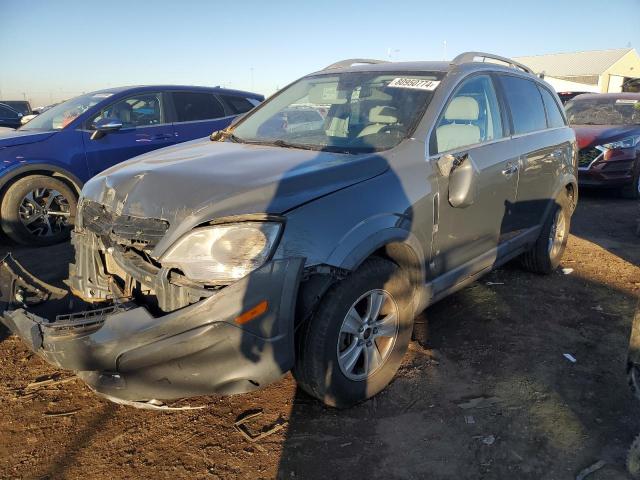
x,y
593,71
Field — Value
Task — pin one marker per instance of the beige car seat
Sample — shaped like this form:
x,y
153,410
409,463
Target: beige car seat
x,y
380,117
460,112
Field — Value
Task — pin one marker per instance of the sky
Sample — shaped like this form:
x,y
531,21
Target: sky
x,y
55,49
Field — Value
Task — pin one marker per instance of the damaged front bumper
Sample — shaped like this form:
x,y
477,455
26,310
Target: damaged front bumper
x,y
125,350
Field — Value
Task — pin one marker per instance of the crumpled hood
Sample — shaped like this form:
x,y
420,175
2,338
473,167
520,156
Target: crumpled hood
x,y
12,138
590,135
198,181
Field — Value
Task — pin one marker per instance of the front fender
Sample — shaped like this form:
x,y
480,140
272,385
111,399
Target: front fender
x,y
14,171
368,236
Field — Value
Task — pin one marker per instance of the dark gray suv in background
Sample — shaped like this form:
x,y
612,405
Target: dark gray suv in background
x,y
217,265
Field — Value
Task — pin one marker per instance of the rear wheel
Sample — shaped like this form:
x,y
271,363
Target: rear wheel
x,y
633,458
633,378
632,191
353,345
545,255
38,210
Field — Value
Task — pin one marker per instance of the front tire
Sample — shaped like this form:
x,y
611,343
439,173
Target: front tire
x,y
38,210
353,345
545,255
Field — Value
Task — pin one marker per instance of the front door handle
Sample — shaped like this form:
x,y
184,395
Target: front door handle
x,y
510,170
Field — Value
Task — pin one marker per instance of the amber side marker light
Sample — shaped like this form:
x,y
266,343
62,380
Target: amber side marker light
x,y
249,315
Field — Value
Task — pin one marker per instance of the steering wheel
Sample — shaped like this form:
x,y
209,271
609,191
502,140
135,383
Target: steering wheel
x,y
393,129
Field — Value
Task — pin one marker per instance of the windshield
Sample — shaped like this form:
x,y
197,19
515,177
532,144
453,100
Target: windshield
x,y
603,110
58,117
354,112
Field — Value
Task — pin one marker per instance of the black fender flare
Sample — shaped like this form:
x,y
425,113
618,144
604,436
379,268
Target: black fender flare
x,y
399,244
8,177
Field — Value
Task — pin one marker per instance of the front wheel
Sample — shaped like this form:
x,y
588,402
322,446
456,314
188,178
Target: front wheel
x,y
353,345
545,255
38,210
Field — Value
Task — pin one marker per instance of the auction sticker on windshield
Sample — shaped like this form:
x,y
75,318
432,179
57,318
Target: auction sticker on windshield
x,y
415,83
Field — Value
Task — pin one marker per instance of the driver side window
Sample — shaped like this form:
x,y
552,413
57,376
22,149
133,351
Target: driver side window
x,y
472,116
135,111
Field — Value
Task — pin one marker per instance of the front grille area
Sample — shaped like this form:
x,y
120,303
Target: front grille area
x,y
587,155
123,229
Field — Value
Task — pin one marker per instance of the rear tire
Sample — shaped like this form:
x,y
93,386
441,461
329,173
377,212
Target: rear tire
x,y
38,210
632,191
545,255
347,352
633,458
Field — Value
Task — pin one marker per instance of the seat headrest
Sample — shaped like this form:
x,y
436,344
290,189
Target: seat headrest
x,y
383,114
122,111
462,108
326,94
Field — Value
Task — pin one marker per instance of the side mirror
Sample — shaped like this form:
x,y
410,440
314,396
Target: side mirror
x,y
463,183
104,126
462,174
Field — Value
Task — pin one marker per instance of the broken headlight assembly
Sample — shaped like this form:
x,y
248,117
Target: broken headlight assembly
x,y
221,254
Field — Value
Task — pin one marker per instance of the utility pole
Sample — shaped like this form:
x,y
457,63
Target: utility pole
x,y
251,78
444,50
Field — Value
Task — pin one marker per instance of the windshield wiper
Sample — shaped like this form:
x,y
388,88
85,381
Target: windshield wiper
x,y
285,144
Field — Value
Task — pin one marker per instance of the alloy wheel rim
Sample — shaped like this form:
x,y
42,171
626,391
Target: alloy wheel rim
x,y
557,234
44,212
368,334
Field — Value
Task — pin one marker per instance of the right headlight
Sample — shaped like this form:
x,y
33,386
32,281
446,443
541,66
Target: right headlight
x,y
223,253
628,142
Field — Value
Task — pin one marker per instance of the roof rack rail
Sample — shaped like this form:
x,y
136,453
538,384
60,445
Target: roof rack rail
x,y
467,57
352,61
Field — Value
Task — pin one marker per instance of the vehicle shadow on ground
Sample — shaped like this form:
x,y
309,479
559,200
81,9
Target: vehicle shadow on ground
x,y
59,468
538,416
596,208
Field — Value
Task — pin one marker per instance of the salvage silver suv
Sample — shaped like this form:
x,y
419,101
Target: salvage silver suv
x,y
218,265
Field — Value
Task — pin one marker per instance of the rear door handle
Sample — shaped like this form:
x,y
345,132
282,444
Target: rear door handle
x,y
510,170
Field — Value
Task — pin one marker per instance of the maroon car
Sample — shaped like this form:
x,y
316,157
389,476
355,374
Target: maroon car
x,y
607,127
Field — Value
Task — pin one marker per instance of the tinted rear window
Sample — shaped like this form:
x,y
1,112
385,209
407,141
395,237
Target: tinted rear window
x,y
525,103
7,113
554,115
236,104
192,106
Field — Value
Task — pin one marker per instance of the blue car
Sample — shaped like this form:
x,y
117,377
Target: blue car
x,y
44,164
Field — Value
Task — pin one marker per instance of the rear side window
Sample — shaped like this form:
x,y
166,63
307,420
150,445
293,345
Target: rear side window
x,y
6,113
554,115
193,106
525,103
237,104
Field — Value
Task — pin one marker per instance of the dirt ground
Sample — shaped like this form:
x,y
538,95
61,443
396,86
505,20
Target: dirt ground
x,y
502,340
